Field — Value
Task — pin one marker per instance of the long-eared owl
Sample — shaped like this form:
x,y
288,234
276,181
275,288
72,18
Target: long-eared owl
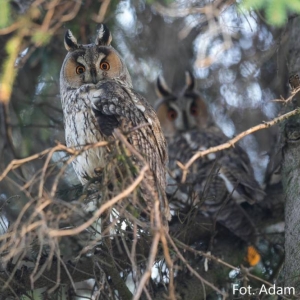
x,y
98,98
218,182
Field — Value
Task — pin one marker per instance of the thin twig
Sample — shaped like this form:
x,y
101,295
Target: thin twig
x,y
220,261
293,94
14,164
152,254
193,270
10,28
169,264
103,208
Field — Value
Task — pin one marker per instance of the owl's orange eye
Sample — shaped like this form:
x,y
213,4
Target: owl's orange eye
x,y
104,66
80,69
194,109
172,114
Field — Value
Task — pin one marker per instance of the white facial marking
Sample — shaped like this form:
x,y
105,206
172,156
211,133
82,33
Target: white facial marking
x,y
81,60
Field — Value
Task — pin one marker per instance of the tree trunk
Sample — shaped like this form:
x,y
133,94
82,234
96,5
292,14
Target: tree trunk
x,y
291,172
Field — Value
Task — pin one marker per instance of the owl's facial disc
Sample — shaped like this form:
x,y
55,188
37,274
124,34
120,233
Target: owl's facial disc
x,y
93,66
92,63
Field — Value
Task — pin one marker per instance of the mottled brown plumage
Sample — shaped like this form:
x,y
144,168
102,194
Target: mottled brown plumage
x,y
97,98
216,183
294,81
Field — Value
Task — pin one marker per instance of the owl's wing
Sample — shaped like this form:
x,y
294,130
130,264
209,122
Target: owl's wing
x,y
114,105
157,137
117,106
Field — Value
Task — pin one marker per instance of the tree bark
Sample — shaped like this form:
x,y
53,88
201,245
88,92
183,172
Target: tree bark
x,y
291,172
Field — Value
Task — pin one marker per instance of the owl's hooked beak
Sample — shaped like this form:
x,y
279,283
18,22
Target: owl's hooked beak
x,y
94,75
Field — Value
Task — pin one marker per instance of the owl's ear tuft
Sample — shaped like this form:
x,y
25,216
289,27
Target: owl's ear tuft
x,y
104,37
189,81
70,41
162,89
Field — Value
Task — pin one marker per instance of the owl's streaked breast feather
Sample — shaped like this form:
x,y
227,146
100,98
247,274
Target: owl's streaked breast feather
x,y
81,129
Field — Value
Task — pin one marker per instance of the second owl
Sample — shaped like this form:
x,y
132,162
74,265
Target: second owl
x,y
216,183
